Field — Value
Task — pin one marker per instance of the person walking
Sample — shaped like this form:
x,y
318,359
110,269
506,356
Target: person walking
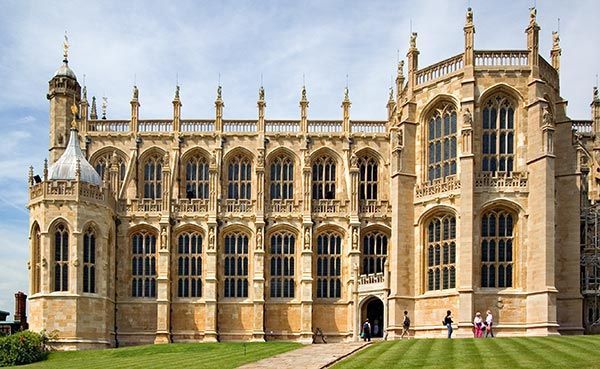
x,y
478,325
367,331
376,329
448,323
405,326
489,321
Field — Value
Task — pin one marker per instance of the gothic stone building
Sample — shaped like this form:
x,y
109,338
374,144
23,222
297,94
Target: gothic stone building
x,y
200,230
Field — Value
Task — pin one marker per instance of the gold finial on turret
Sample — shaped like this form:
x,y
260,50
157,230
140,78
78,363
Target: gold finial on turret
x,y
74,111
66,48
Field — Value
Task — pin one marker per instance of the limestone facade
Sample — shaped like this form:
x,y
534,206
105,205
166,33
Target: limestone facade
x,y
258,229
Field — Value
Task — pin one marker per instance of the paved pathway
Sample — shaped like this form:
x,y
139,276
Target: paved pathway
x,y
310,357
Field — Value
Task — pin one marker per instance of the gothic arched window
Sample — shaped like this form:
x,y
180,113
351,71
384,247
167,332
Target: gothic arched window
x,y
196,178
102,164
282,251
143,264
375,245
153,177
61,258
89,261
323,178
441,143
235,265
441,253
189,265
282,178
498,135
497,241
368,177
329,265
36,259
239,178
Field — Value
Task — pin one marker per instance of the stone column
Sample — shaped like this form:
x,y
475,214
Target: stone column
x,y
163,278
211,282
306,257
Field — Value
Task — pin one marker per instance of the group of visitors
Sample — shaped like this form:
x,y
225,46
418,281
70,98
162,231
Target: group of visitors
x,y
479,326
368,331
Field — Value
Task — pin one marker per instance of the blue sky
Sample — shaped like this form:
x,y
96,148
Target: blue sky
x,y
158,42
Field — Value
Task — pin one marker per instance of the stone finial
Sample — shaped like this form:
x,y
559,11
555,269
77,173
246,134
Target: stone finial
x,y
391,97
303,93
136,92
104,105
177,92
30,175
469,17
261,94
219,93
94,112
555,40
84,93
114,159
595,97
66,48
45,170
346,94
401,68
532,16
413,40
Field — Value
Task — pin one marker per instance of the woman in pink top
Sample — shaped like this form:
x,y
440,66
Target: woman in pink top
x,y
478,325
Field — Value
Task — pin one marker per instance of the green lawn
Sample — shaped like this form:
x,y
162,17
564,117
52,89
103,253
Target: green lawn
x,y
543,352
175,356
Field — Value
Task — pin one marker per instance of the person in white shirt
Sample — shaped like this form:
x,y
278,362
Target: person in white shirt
x,y
489,321
478,325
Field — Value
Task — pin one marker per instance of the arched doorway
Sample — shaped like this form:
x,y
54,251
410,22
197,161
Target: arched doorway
x,y
373,310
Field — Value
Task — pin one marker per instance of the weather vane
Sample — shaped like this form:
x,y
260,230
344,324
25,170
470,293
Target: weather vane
x,y
66,46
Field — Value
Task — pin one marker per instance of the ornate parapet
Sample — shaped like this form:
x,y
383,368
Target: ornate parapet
x,y
502,58
439,70
328,206
282,126
509,182
189,206
68,190
239,126
103,125
437,186
283,206
197,125
155,126
237,206
371,282
375,208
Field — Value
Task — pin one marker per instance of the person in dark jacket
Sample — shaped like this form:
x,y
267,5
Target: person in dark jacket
x,y
448,323
367,331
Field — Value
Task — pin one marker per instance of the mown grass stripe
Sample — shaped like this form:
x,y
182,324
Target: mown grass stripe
x,y
499,355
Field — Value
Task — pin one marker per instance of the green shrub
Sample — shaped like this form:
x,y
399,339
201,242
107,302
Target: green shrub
x,y
23,348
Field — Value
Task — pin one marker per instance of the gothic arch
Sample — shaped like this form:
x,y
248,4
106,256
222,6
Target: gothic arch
x,y
376,227
323,228
329,152
93,225
238,150
188,227
193,151
143,227
154,150
434,103
434,210
52,225
236,227
279,151
500,88
507,204
283,227
107,150
368,151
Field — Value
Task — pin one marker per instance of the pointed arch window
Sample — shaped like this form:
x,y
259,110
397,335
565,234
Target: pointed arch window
x,y
282,270
235,265
498,135
368,177
441,143
61,258
102,164
375,248
282,178
329,265
497,243
143,264
153,177
189,265
89,261
36,259
441,253
196,177
239,178
323,178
